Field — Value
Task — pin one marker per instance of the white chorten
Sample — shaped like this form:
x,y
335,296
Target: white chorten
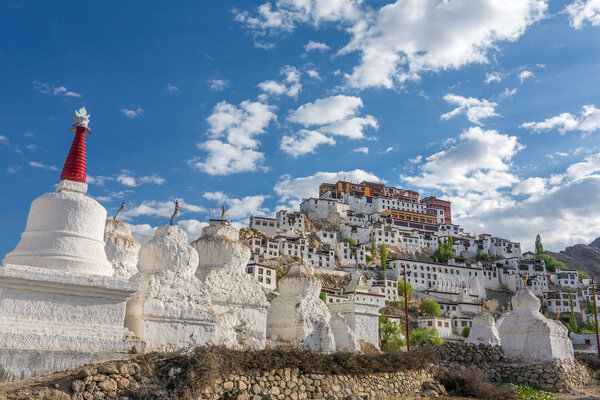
x,y
236,297
121,249
64,232
57,293
483,331
172,309
526,335
298,316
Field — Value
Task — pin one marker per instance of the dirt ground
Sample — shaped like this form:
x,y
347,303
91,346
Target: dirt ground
x,y
591,393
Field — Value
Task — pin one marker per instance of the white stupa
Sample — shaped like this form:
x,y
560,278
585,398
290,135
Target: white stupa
x,y
60,305
236,297
122,250
172,310
483,331
528,336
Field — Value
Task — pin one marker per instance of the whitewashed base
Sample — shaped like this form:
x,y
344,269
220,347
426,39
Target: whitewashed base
x,y
48,310
20,364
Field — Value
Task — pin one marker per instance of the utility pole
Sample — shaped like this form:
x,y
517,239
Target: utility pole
x,y
595,315
406,311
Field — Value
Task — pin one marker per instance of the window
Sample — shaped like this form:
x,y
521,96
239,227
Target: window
x,y
250,270
260,270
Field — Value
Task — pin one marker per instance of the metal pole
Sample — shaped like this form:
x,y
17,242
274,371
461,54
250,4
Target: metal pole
x,y
595,316
406,311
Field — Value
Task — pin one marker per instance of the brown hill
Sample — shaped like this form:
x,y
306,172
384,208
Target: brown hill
x,y
584,256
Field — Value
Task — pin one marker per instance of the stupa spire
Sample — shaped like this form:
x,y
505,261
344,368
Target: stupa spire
x,y
75,164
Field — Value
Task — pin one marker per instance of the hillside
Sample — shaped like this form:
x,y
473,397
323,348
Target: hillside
x,y
584,256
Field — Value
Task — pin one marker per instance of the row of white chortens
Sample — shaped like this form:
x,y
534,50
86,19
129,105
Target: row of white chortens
x,y
78,288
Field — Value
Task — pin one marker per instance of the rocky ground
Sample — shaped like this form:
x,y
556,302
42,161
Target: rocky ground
x,y
584,256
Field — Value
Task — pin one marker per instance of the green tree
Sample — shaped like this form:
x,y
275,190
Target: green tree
x,y
390,335
444,251
583,275
349,240
481,256
373,250
590,307
383,252
572,326
465,332
418,335
431,307
551,264
401,288
539,247
323,297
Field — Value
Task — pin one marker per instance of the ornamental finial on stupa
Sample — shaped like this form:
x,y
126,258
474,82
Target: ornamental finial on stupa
x,y
82,119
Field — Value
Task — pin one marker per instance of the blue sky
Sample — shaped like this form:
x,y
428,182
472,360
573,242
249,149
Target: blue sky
x,y
491,104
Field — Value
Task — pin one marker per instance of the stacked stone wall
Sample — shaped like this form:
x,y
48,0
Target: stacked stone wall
x,y
128,379
550,376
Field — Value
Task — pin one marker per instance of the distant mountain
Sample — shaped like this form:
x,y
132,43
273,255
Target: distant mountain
x,y
584,256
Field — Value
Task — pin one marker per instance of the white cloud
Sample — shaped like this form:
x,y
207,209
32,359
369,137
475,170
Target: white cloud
x,y
587,122
306,141
408,37
13,170
238,126
582,11
225,159
318,46
36,164
291,191
98,180
584,169
526,75
289,86
530,186
193,228
313,74
287,14
164,209
478,162
54,90
127,179
238,209
216,85
334,115
389,149
473,108
416,160
508,93
493,77
3,139
142,232
327,110
132,113
364,150
172,89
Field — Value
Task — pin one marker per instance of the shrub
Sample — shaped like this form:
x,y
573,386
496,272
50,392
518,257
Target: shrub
x,y
431,307
465,332
473,383
323,296
390,335
401,288
383,252
530,393
349,240
368,258
418,335
583,275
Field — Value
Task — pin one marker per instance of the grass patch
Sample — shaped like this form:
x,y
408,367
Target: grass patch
x,y
530,393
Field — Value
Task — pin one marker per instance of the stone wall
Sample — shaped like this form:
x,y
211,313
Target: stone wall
x,y
127,379
554,377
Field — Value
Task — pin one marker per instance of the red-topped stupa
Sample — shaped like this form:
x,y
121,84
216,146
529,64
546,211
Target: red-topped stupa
x,y
74,168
